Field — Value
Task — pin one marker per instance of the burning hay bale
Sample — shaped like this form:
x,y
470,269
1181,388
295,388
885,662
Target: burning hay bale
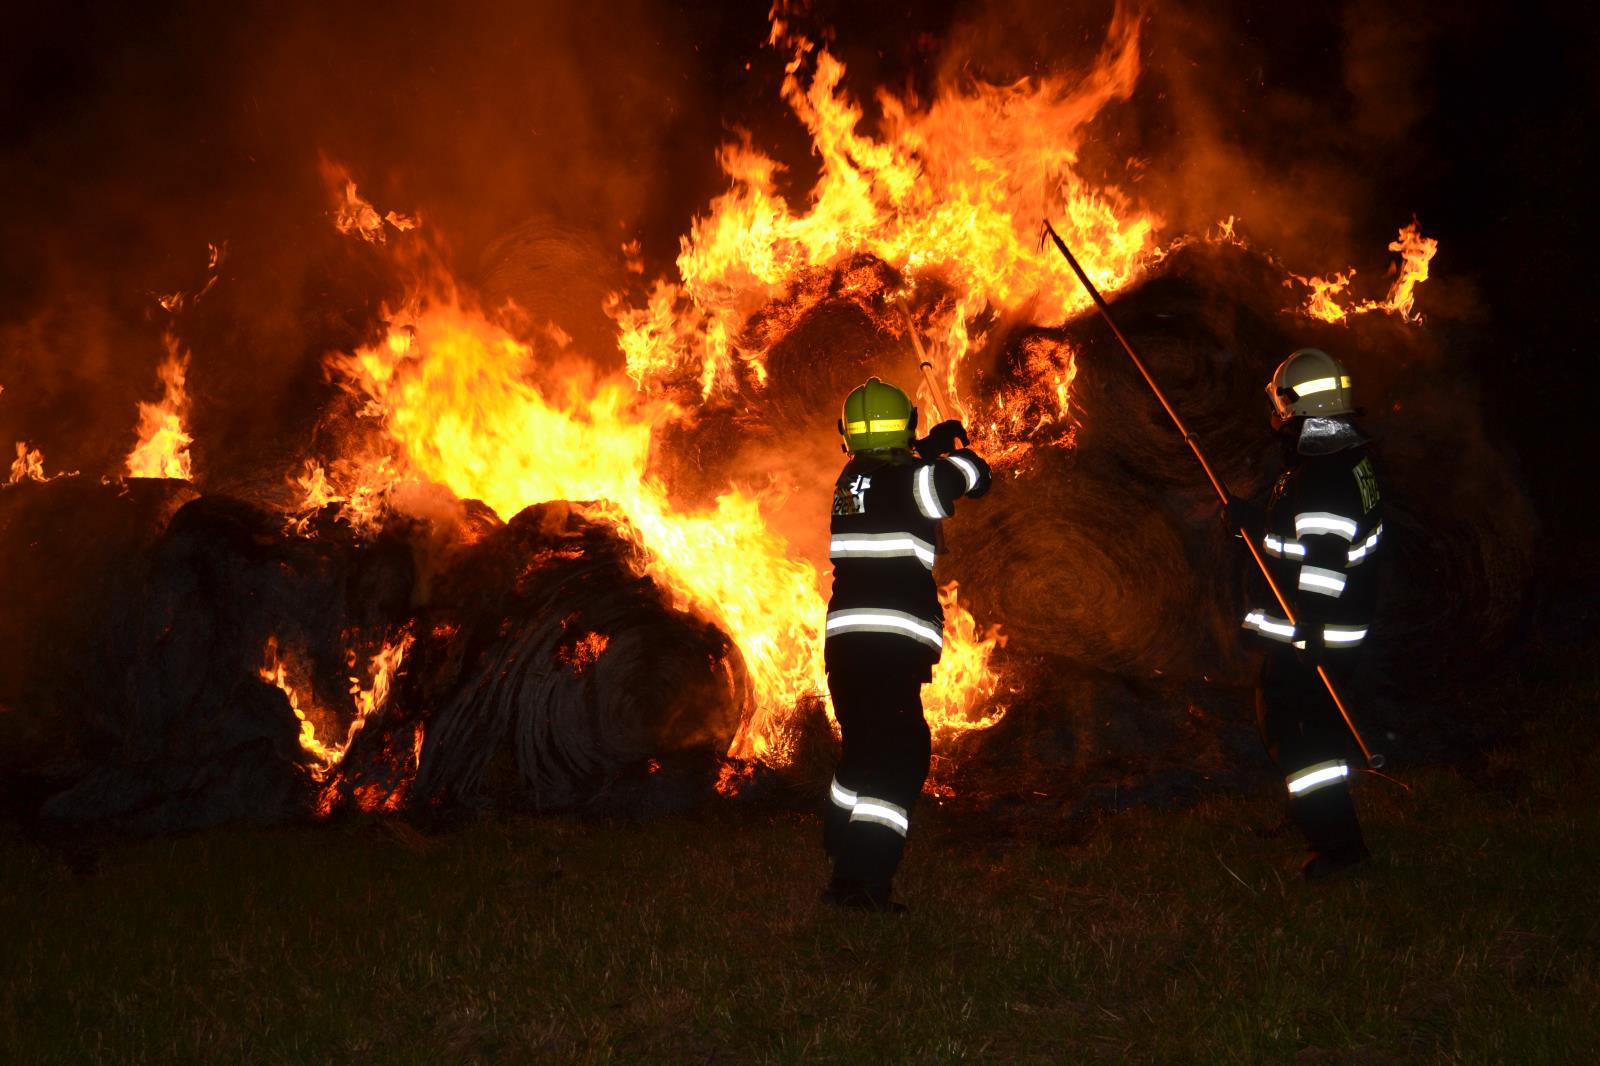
x,y
193,731
545,668
190,665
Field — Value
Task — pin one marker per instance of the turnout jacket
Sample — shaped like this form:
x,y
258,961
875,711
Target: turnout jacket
x,y
885,528
1324,524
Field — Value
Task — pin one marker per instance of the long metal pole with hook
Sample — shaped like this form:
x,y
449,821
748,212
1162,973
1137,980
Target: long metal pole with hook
x,y
1374,762
924,364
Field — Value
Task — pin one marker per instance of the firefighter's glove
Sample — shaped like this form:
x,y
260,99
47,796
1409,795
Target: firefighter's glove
x,y
941,439
1242,518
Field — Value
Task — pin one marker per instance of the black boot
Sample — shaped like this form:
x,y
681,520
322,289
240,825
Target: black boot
x,y
1322,865
852,895
1327,817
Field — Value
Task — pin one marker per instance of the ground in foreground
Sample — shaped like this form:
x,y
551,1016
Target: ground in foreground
x,y
1150,935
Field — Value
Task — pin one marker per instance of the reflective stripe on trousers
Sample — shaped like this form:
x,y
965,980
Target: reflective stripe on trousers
x,y
882,620
880,812
1317,776
1322,581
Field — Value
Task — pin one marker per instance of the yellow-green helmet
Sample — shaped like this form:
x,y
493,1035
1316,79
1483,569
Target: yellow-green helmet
x,y
877,417
1311,383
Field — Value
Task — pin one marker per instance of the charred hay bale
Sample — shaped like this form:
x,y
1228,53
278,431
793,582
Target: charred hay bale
x,y
1459,531
1081,564
555,667
245,767
199,737
225,580
71,570
1072,737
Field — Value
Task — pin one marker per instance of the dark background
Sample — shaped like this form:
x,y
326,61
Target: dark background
x,y
130,136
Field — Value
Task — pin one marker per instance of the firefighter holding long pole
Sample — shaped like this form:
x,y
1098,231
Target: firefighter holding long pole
x,y
885,625
1314,544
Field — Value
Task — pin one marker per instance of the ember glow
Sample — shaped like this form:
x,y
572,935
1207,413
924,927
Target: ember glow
x,y
583,652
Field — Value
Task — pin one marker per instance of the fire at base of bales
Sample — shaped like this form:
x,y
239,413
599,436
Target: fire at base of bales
x,y
502,575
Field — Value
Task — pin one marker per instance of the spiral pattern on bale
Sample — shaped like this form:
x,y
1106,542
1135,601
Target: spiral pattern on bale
x,y
1078,562
572,663
555,275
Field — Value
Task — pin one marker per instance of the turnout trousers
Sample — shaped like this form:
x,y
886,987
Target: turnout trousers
x,y
1307,739
876,684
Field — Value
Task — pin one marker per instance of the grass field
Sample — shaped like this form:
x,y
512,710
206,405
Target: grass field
x,y
1154,935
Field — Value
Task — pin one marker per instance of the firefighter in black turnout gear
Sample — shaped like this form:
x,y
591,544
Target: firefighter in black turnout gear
x,y
1321,530
885,628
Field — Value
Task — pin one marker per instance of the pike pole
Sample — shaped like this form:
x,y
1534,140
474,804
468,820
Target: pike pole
x,y
940,405
1374,762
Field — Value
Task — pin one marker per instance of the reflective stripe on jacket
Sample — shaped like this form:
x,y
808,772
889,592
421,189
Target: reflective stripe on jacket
x,y
1324,525
884,537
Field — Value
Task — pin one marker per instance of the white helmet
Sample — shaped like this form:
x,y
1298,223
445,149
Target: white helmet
x,y
1310,383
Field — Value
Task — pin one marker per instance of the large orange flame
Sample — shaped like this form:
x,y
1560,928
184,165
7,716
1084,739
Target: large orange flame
x,y
953,192
163,446
452,385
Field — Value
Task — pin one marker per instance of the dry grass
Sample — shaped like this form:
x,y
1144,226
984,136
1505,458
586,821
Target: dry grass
x,y
1161,935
